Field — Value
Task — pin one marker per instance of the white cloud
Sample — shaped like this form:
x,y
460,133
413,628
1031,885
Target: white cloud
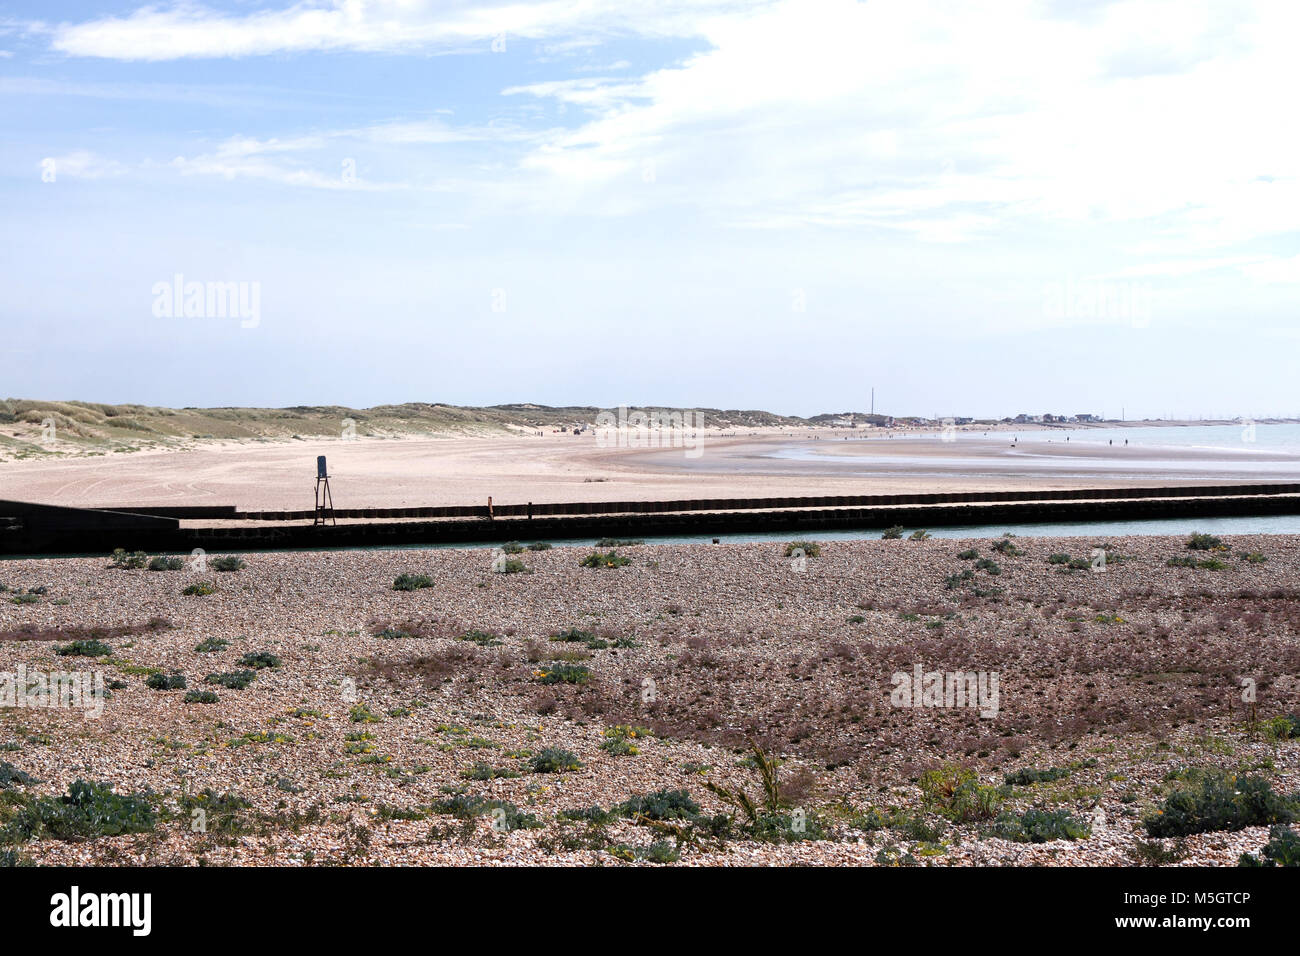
x,y
951,120
80,164
1275,270
374,26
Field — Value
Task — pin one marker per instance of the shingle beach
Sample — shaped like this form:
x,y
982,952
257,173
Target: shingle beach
x,y
384,726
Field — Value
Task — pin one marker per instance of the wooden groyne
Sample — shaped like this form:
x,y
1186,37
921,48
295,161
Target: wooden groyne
x,y
27,529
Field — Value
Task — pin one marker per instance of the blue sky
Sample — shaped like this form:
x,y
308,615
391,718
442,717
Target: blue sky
x,y
1044,206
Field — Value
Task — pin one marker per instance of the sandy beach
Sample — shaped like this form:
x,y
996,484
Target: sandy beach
x,y
425,726
415,472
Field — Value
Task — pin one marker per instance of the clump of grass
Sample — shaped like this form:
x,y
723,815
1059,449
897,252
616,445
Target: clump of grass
x,y
1206,564
84,648
165,681
200,697
1058,558
412,582
562,672
892,533
1282,727
554,760
590,639
11,776
661,851
956,793
919,535
512,547
619,740
970,554
211,645
1040,826
766,818
506,815
1028,776
1154,853
540,546
485,771
1282,849
619,542
510,566
810,549
200,589
231,680
1006,547
1219,802
128,560
605,559
259,660
481,638
957,580
362,714
166,563
1254,557
86,811
659,805
1204,542
989,566
229,562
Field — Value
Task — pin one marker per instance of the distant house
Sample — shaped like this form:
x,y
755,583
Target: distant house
x,y
1085,417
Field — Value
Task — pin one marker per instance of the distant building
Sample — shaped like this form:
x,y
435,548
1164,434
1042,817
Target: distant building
x,y
1085,417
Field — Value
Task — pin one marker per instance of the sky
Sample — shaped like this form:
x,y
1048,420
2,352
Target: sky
x,y
974,209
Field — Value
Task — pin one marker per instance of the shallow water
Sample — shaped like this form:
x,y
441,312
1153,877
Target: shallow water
x,y
1270,524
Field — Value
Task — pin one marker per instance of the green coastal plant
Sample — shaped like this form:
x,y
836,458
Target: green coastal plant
x,y
605,559
412,582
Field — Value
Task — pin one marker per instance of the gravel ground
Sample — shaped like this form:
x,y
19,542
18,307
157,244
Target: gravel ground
x,y
1123,679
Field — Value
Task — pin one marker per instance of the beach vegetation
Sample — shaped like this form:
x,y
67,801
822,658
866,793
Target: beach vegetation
x,y
605,559
86,811
84,648
165,681
554,760
562,672
231,680
1040,826
1282,849
412,582
1213,800
810,549
258,660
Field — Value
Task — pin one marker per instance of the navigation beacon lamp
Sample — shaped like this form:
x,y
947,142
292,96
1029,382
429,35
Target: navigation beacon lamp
x,y
324,499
